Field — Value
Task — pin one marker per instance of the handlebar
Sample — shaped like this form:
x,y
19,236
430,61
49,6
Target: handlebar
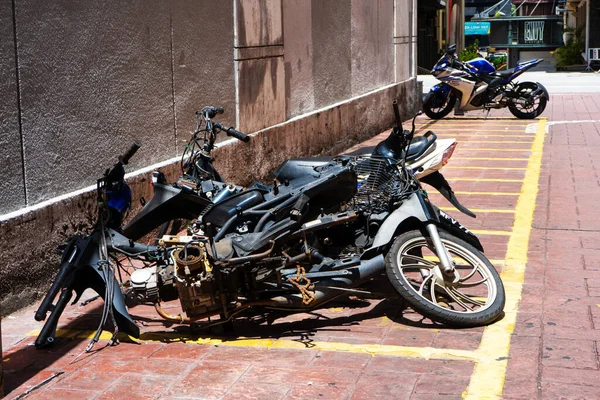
x,y
124,159
211,111
232,132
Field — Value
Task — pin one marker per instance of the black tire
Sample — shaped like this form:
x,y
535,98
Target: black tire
x,y
535,109
438,106
443,311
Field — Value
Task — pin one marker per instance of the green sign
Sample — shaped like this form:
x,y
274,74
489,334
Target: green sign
x,y
477,28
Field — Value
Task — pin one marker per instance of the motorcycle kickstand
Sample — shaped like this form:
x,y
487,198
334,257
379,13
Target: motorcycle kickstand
x,y
487,113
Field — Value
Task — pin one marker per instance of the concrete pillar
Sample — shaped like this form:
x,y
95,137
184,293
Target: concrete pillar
x,y
404,38
259,65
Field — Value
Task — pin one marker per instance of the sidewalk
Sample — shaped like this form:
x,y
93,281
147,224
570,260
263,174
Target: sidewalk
x,y
545,347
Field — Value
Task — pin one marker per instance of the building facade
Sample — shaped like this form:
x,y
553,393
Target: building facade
x,y
526,30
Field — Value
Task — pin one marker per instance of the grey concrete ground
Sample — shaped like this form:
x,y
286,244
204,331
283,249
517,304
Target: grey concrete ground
x,y
555,82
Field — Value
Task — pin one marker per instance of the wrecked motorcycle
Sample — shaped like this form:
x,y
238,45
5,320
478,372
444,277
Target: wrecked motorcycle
x,y
320,233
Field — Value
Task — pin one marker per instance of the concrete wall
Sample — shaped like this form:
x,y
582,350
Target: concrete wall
x,y
12,185
93,76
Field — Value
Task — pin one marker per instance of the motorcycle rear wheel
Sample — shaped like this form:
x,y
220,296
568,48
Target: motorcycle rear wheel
x,y
533,110
438,108
476,299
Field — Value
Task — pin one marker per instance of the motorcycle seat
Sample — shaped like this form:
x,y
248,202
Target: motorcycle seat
x,y
298,167
417,145
504,74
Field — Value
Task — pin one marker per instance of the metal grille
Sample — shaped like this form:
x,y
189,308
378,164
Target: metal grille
x,y
377,182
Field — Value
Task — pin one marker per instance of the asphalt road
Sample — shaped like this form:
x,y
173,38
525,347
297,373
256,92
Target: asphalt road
x,y
555,82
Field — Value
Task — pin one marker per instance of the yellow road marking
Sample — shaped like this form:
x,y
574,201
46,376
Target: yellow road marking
x,y
487,380
473,134
489,193
481,210
501,141
485,179
473,122
476,130
490,232
372,349
492,149
491,168
491,158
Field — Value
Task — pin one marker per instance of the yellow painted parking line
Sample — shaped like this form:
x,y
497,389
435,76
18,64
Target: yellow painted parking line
x,y
490,232
501,141
487,380
476,130
481,210
485,179
491,158
474,134
505,150
427,353
490,193
474,122
485,168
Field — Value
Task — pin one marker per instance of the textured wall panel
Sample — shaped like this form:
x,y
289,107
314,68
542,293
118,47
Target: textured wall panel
x,y
262,94
331,51
94,75
298,57
259,64
259,23
203,62
372,44
12,195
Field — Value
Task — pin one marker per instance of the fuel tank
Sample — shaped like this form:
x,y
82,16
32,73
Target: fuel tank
x,y
481,66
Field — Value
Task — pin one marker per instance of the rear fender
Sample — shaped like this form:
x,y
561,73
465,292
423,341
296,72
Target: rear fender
x,y
541,90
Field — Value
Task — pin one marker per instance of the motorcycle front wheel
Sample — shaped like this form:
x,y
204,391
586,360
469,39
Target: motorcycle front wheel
x,y
475,298
534,108
439,105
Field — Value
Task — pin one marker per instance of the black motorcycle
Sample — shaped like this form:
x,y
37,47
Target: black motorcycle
x,y
321,233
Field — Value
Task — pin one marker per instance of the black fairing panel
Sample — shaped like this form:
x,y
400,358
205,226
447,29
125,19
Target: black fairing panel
x,y
222,211
338,185
168,203
297,167
86,275
455,228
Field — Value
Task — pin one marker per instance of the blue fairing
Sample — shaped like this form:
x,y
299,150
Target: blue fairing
x,y
119,197
481,66
441,87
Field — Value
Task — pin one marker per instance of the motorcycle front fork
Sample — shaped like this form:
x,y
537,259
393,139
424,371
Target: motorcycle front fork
x,y
446,267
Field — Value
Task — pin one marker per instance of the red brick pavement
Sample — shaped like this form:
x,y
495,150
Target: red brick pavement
x,y
324,355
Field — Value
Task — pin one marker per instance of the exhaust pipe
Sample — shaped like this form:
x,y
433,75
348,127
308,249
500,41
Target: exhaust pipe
x,y
325,290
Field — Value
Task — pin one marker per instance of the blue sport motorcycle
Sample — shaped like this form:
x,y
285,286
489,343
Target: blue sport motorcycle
x,y
477,85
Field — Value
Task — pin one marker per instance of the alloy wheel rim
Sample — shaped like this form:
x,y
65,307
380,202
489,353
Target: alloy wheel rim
x,y
474,292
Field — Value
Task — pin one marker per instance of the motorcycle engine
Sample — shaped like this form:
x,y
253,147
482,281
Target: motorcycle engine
x,y
194,280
